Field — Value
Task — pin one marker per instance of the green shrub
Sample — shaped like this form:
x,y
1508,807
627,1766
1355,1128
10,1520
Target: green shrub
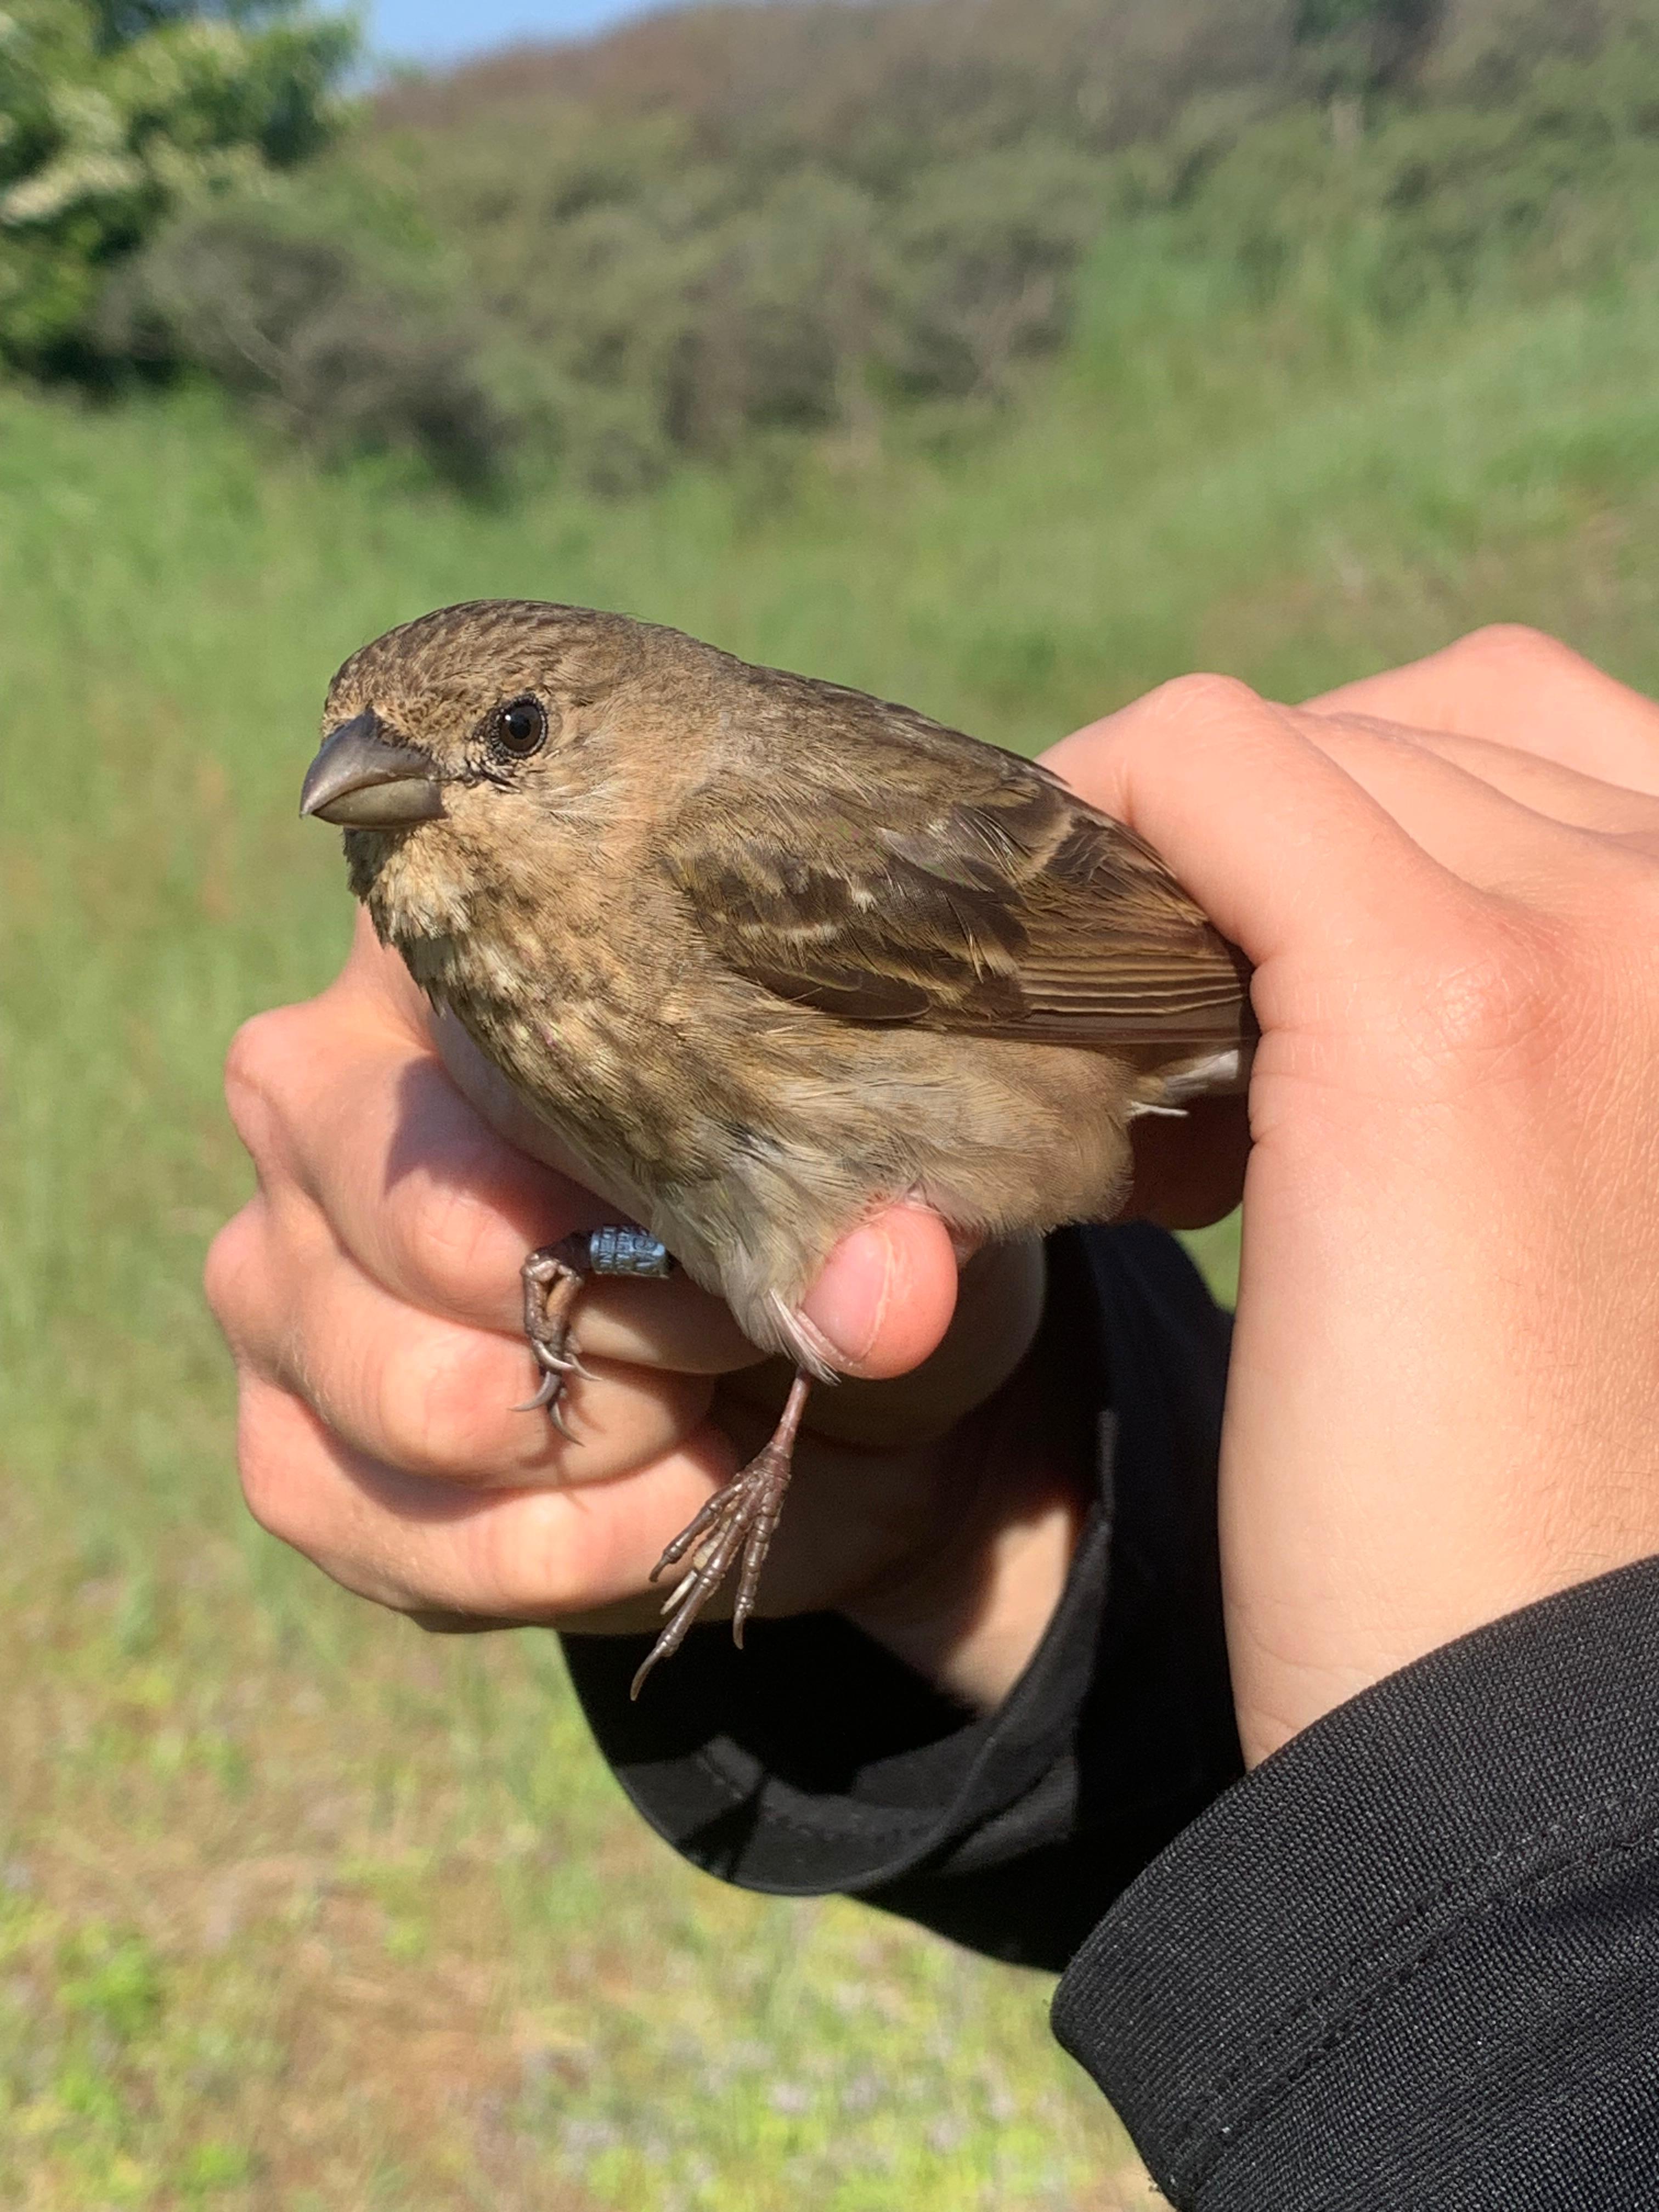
x,y
1437,202
987,248
729,223
1488,49
732,225
304,325
637,301
113,112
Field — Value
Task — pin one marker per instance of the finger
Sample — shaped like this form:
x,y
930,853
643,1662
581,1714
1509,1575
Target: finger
x,y
375,986
1515,687
435,1398
1280,845
885,1297
425,1546
430,1202
1467,821
252,1278
1561,794
1000,1292
425,1394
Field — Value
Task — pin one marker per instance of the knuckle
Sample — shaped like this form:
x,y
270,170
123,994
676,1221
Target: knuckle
x,y
264,1467
230,1259
1206,699
439,1410
1501,1002
259,1053
1640,913
1519,647
1613,947
454,1238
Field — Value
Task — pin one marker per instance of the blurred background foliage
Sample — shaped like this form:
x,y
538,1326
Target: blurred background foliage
x,y
117,115
723,230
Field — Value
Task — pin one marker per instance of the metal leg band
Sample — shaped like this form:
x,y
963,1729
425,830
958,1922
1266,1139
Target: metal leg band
x,y
628,1252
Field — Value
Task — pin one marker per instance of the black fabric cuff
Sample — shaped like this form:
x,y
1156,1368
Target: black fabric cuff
x,y
835,1767
1413,1960
814,1762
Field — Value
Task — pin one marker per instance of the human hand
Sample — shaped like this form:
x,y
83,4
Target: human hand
x,y
370,1294
1444,1397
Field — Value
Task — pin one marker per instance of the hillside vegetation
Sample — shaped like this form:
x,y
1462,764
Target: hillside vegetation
x,y
730,230
298,1908
873,223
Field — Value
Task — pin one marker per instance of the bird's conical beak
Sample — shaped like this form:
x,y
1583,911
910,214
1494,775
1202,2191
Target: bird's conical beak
x,y
365,778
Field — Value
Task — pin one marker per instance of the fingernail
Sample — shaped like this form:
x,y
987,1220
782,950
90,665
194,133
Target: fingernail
x,y
847,1304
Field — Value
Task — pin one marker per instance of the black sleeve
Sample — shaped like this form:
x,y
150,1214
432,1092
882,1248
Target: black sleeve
x,y
814,1762
1410,1964
1413,1961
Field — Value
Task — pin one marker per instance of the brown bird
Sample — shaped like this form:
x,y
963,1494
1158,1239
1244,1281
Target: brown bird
x,y
766,952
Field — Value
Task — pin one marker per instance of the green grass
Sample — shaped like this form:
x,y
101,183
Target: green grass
x,y
298,1908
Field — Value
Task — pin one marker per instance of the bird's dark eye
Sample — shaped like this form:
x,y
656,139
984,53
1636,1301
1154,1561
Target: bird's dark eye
x,y
519,728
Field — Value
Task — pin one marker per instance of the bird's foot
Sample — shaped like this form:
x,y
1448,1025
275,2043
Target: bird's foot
x,y
553,1278
739,1519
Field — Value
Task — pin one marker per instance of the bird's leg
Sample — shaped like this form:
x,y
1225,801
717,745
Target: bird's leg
x,y
739,1519
553,1278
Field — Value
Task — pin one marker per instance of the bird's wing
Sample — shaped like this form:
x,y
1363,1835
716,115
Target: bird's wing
x,y
867,884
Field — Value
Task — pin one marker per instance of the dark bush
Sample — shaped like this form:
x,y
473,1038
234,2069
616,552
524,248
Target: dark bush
x,y
1440,200
987,248
1359,47
1488,49
782,317
303,327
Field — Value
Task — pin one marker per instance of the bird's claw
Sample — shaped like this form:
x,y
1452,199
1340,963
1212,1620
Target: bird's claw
x,y
551,1384
555,1372
552,1279
551,1400
736,1523
560,1359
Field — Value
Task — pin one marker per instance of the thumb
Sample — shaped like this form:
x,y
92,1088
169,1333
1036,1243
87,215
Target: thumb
x,y
886,1295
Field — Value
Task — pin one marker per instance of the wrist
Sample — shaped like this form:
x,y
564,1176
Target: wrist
x,y
968,1610
975,1635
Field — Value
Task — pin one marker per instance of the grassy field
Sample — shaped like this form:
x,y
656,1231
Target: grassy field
x,y
297,1908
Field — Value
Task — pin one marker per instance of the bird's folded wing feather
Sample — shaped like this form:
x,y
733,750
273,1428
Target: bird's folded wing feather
x,y
986,899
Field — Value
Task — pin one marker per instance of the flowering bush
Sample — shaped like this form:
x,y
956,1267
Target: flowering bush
x,y
115,112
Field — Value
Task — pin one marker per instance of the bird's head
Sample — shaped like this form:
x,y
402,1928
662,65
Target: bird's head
x,y
467,753
474,753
